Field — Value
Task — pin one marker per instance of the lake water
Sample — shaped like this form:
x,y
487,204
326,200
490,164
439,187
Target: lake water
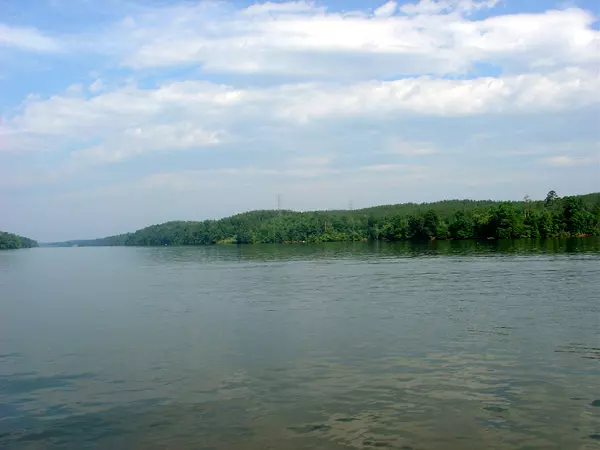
x,y
351,346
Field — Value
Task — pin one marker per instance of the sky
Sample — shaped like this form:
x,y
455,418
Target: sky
x,y
118,114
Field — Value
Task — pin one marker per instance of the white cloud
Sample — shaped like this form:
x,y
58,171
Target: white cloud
x,y
445,6
28,39
572,161
562,90
301,39
407,148
311,161
139,141
96,86
286,7
386,167
386,10
132,121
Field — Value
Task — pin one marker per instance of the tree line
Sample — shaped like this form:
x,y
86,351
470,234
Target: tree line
x,y
445,220
10,241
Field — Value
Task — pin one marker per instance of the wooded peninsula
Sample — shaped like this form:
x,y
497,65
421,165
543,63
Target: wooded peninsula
x,y
444,220
9,241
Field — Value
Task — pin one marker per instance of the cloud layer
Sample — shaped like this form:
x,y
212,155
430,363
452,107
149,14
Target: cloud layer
x,y
28,39
437,38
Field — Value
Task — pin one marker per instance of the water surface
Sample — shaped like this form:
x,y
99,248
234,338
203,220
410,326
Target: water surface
x,y
343,346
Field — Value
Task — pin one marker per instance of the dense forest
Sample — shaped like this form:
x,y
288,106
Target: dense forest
x,y
12,241
451,219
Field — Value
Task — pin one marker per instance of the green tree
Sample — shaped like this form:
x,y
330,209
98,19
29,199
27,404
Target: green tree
x,y
442,231
431,222
455,219
577,220
460,226
504,220
551,198
9,241
244,237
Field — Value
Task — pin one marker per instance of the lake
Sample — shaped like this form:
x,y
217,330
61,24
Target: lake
x,y
445,345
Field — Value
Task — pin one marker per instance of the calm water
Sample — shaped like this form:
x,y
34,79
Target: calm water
x,y
442,346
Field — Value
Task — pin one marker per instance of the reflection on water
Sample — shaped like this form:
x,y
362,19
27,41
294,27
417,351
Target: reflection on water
x,y
439,346
378,250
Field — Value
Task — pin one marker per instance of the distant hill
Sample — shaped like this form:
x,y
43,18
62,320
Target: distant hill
x,y
12,241
448,219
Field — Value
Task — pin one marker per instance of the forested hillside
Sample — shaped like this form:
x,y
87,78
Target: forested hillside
x,y
12,241
452,219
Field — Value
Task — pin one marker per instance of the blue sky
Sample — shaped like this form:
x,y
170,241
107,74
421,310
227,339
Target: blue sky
x,y
115,115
